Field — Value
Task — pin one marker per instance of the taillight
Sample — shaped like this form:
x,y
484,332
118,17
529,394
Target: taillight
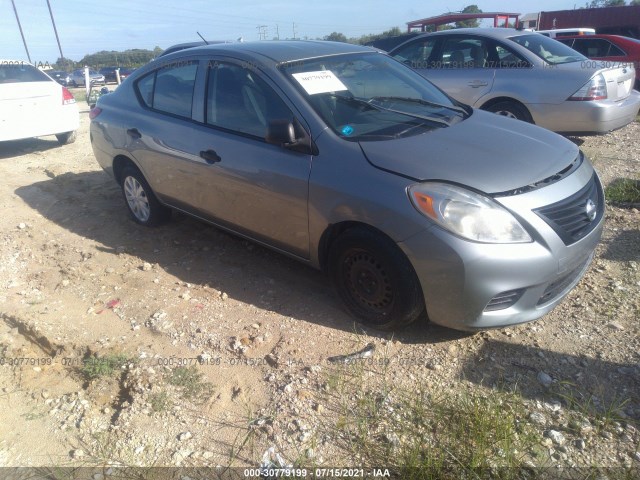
x,y
67,97
594,89
95,111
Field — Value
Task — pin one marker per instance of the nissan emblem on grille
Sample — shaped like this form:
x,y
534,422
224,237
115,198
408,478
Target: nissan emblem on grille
x,y
591,210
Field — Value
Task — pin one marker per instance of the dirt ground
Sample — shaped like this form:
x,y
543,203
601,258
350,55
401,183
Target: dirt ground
x,y
80,280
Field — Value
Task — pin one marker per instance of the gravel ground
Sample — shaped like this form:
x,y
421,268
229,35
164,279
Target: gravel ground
x,y
79,279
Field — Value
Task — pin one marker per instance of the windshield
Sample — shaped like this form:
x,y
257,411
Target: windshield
x,y
372,97
548,49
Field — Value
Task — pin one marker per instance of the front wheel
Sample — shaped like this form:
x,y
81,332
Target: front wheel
x,y
375,280
511,110
143,205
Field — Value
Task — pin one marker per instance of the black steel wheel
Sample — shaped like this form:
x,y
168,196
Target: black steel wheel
x,y
375,279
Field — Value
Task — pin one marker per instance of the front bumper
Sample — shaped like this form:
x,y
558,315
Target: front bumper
x,y
465,283
587,117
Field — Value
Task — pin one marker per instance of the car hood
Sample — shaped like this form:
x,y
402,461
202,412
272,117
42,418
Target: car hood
x,y
486,152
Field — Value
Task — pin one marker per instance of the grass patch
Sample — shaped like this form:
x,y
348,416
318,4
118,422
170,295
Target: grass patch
x,y
190,381
95,367
624,191
159,401
422,432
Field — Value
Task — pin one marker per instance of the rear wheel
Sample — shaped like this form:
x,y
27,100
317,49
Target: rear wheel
x,y
511,110
143,205
66,138
375,279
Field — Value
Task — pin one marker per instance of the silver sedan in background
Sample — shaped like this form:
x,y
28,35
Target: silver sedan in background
x,y
345,159
525,75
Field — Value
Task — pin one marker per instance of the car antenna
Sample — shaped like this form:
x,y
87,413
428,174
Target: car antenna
x,y
206,43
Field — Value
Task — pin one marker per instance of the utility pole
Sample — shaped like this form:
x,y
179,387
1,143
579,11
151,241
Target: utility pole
x,y
294,30
262,32
277,32
20,27
55,30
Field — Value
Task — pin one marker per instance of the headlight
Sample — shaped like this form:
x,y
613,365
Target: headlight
x,y
467,214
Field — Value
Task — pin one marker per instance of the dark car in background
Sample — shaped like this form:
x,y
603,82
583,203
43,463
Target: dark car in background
x,y
110,73
609,49
349,161
63,78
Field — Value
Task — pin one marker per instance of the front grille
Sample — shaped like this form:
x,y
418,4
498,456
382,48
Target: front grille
x,y
504,300
576,216
560,285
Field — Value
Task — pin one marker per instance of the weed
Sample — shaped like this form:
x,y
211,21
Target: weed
x,y
425,433
160,401
190,381
624,191
95,367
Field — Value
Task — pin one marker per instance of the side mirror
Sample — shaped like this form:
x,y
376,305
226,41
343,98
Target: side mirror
x,y
281,132
290,134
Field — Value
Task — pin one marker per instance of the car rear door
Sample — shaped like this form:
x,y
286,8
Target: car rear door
x,y
458,64
203,150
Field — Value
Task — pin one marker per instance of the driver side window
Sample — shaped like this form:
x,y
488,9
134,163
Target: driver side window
x,y
416,54
240,101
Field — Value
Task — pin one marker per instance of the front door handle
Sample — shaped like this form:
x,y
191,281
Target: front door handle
x,y
134,133
478,84
210,156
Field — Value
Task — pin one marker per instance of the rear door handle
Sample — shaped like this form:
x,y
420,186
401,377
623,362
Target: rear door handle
x,y
210,156
134,133
477,84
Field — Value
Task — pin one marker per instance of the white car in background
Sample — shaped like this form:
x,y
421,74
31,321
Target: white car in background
x,y
32,104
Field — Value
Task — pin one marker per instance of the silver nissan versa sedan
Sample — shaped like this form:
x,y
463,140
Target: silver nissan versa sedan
x,y
348,160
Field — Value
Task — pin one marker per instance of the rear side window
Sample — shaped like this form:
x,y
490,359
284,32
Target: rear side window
x,y
170,89
596,47
21,72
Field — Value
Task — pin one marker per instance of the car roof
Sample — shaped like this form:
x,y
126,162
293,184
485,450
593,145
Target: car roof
x,y
486,32
281,50
605,36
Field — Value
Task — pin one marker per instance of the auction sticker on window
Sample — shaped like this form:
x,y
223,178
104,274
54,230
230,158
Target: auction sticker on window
x,y
319,82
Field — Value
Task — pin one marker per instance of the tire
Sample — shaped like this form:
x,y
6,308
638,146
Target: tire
x,y
511,110
375,280
142,203
66,138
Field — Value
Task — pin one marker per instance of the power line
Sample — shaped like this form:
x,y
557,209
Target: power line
x,y
21,32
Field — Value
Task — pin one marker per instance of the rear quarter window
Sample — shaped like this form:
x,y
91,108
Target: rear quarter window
x,y
169,89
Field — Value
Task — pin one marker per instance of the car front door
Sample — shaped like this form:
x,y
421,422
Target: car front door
x,y
254,187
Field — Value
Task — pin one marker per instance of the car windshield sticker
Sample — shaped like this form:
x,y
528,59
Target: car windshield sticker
x,y
319,82
347,130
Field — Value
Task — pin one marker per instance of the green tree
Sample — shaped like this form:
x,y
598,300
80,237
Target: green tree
x,y
606,3
469,23
634,2
64,64
392,32
336,37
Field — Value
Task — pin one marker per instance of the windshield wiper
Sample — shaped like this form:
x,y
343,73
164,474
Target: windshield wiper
x,y
368,103
421,102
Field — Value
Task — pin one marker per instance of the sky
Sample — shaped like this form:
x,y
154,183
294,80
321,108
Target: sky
x,y
86,26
